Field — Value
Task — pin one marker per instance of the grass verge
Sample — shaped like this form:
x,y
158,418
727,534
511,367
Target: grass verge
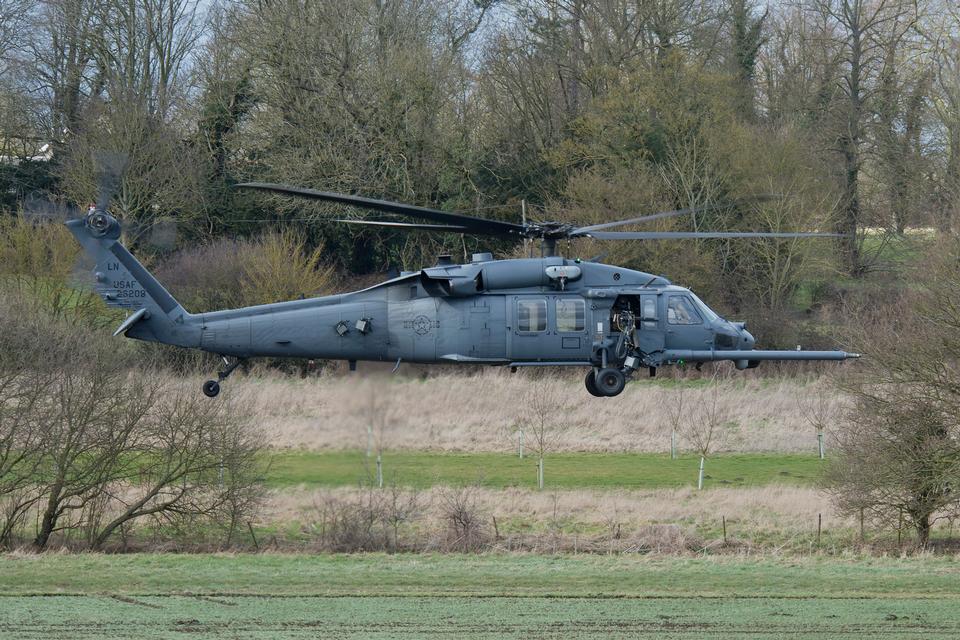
x,y
562,470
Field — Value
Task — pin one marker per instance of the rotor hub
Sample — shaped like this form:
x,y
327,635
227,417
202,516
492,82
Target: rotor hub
x,y
102,224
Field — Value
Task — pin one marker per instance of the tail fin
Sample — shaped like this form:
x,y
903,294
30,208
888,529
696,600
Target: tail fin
x,y
123,282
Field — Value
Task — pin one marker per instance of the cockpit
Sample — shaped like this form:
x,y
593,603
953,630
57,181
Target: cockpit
x,y
687,321
687,308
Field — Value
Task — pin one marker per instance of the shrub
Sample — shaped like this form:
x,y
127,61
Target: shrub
x,y
39,262
236,273
370,521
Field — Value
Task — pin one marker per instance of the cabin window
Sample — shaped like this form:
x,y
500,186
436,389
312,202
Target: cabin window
x,y
680,310
571,314
531,315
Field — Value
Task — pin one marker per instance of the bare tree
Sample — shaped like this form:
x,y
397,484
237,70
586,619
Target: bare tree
x,y
132,59
898,453
377,416
94,415
21,396
676,411
144,50
63,53
544,411
944,27
901,457
861,33
13,18
708,423
94,446
820,407
33,347
190,459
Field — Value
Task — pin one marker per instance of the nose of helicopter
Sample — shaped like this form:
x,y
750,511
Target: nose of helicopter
x,y
746,338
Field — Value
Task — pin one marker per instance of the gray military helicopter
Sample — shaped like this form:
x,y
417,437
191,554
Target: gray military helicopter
x,y
542,311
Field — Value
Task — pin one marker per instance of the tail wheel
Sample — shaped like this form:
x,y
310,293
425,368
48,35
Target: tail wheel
x,y
610,382
591,383
211,388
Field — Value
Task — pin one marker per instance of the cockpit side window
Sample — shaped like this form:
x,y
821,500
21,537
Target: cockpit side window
x,y
680,310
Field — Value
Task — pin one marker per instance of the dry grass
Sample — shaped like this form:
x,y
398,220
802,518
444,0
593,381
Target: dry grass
x,y
774,506
662,520
480,412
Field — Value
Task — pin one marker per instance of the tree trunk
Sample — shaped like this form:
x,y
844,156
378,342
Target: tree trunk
x,y
922,524
49,521
850,215
850,141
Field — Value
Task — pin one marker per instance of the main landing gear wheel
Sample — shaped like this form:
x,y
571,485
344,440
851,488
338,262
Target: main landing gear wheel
x,y
211,388
591,383
610,382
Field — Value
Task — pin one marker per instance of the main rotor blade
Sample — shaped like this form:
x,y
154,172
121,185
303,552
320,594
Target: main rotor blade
x,y
410,225
470,223
672,214
681,235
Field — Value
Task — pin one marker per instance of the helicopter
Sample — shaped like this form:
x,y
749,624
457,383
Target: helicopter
x,y
546,311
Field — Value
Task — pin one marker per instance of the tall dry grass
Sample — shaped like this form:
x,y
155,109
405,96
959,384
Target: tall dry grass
x,y
772,506
767,519
482,411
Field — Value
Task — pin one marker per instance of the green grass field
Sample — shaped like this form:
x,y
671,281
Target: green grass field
x,y
562,470
496,596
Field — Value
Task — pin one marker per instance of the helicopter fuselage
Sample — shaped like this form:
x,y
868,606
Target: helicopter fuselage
x,y
486,312
522,312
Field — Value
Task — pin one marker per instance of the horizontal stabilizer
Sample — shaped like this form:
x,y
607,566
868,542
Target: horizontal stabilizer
x,y
130,321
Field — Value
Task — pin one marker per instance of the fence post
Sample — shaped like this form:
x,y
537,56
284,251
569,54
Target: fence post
x,y
819,526
724,520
